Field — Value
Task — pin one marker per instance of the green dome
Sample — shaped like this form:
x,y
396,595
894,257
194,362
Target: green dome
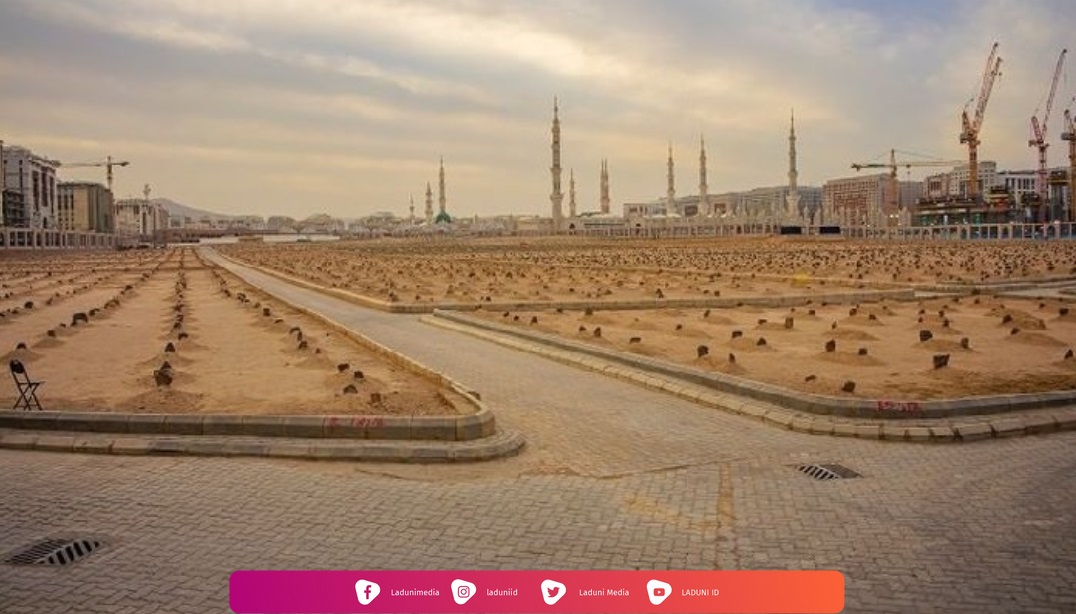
x,y
442,218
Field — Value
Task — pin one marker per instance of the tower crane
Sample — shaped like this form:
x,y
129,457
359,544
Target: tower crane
x,y
1069,134
1038,133
893,165
970,126
108,163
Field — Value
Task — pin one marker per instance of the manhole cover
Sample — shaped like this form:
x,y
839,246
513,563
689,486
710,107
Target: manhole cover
x,y
827,472
54,552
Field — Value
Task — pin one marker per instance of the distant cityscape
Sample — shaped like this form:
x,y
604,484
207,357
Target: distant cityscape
x,y
35,198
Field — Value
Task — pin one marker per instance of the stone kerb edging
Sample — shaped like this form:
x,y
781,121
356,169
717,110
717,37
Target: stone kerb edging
x,y
903,294
801,401
385,428
976,287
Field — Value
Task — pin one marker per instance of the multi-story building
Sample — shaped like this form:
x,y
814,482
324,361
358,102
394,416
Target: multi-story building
x,y
280,222
1008,195
652,209
140,217
84,206
960,175
34,177
865,200
1019,184
769,204
1060,199
764,205
247,222
1021,187
14,210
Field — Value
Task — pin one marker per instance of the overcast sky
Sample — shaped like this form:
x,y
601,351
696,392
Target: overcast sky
x,y
344,106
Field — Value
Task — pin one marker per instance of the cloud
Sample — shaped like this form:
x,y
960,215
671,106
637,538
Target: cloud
x,y
304,102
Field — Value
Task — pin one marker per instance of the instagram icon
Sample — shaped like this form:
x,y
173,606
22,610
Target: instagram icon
x,y
462,591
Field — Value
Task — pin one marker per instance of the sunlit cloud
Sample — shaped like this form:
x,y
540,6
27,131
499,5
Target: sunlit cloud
x,y
308,104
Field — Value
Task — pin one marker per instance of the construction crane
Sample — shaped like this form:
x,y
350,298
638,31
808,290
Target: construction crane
x,y
970,126
108,163
893,165
1038,134
1069,134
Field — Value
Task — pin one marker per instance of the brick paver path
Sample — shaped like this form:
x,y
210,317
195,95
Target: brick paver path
x,y
615,476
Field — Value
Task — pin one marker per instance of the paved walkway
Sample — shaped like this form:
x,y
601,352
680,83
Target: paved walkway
x,y
614,476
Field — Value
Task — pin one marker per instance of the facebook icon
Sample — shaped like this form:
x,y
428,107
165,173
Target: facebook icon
x,y
366,591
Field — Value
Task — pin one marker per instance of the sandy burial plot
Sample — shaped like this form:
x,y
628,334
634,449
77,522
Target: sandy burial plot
x,y
456,277
228,357
33,280
492,271
884,261
878,346
565,268
30,321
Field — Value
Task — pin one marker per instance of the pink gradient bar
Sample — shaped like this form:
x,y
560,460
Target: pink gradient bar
x,y
420,592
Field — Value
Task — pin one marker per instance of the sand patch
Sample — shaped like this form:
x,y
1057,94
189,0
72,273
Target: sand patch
x,y
48,342
750,344
861,319
721,365
716,319
849,334
644,350
941,345
1016,318
850,358
159,401
1037,339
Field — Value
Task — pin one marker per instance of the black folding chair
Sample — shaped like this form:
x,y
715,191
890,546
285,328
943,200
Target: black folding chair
x,y
27,387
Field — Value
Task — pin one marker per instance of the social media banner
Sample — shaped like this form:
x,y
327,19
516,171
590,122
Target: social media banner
x,y
420,592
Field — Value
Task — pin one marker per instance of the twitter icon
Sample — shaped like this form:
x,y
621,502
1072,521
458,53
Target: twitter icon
x,y
552,591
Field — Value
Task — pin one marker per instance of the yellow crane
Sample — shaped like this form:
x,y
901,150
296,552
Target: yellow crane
x,y
970,126
894,192
108,163
1069,134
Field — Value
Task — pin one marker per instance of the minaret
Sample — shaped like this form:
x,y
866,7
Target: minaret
x,y
704,197
670,192
411,197
605,187
429,204
441,187
793,175
571,193
556,198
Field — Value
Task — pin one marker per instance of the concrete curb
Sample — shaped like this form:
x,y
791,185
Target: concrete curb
x,y
383,428
913,431
889,409
498,445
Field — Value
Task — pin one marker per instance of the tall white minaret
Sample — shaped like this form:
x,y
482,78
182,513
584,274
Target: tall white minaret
x,y
411,209
571,193
429,204
793,175
605,187
670,191
556,198
441,187
704,197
